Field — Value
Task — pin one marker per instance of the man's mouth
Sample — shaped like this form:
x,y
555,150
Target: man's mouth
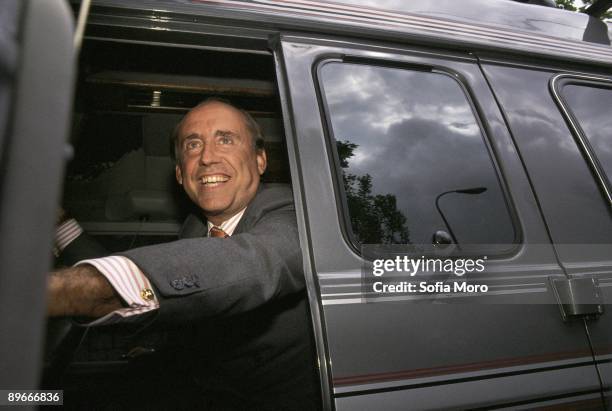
x,y
213,180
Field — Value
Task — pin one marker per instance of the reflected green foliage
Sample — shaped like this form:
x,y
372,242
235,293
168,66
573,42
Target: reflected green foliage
x,y
571,5
375,218
567,5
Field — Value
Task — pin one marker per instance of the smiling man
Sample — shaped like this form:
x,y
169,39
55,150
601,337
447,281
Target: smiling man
x,y
221,158
243,294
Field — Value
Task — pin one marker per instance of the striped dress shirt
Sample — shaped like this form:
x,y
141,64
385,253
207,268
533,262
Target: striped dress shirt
x,y
124,276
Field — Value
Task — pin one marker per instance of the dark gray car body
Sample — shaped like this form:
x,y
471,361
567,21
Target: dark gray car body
x,y
511,348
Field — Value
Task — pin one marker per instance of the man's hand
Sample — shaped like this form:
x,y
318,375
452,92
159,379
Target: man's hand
x,y
80,291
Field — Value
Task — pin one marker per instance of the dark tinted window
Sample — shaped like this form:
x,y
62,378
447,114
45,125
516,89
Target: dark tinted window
x,y
411,154
593,110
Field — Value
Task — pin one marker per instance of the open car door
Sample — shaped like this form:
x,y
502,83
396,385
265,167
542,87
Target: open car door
x,y
36,84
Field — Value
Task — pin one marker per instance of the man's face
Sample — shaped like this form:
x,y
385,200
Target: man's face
x,y
218,165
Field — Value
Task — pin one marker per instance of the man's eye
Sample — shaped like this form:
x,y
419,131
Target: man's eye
x,y
225,140
193,145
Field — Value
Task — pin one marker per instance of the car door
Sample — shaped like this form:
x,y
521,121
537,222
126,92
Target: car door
x,y
586,100
406,145
571,173
37,77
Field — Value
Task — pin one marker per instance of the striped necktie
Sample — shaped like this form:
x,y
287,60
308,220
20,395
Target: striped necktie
x,y
217,233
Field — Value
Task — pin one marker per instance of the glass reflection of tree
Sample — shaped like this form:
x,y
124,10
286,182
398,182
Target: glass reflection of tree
x,y
375,218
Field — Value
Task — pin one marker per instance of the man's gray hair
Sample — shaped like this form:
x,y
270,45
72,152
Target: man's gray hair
x,y
249,121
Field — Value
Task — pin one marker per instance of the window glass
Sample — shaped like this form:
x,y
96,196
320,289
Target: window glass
x,y
412,156
593,110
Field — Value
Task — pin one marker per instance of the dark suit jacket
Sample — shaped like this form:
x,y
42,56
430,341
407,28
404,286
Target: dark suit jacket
x,y
237,308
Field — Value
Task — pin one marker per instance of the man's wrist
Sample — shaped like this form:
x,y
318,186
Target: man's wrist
x,y
81,291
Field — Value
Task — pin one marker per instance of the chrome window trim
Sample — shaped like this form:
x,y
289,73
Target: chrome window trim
x,y
556,84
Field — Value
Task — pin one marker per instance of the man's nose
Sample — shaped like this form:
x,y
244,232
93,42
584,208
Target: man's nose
x,y
208,155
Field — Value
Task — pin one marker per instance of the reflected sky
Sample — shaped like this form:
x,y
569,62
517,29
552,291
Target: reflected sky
x,y
593,109
571,200
417,137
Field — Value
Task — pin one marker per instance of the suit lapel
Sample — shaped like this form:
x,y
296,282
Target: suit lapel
x,y
193,227
250,214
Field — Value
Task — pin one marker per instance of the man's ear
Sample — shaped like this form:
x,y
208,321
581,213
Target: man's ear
x,y
179,174
262,161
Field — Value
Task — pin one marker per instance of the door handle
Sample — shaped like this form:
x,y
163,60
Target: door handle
x,y
578,298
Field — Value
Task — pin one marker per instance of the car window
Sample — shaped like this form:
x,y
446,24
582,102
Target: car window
x,y
591,106
412,156
120,184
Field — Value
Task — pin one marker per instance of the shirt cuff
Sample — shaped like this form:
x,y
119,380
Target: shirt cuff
x,y
130,283
66,233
